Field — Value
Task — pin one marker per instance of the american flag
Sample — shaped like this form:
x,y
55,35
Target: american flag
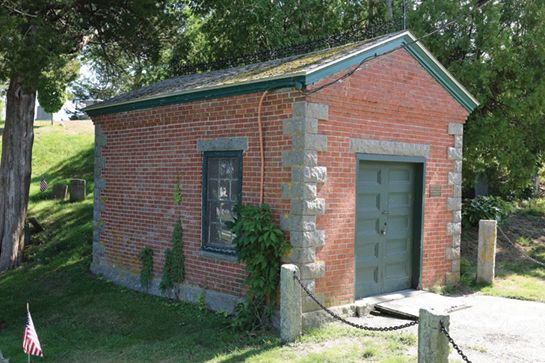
x,y
31,344
43,184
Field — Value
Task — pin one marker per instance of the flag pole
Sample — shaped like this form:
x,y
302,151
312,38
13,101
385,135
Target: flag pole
x,y
28,312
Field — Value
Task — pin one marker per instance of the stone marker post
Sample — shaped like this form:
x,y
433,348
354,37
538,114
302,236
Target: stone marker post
x,y
77,190
432,342
486,261
290,304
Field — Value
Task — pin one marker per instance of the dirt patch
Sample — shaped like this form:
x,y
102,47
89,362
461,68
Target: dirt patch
x,y
516,226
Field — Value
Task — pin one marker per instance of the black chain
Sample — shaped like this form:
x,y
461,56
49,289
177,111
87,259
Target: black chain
x,y
341,319
454,345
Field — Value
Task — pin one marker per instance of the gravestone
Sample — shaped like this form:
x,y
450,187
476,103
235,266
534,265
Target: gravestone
x,y
77,190
60,191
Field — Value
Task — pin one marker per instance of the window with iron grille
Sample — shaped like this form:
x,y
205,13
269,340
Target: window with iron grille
x,y
222,190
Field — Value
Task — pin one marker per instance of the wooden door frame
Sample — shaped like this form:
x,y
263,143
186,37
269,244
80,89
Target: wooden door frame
x,y
419,207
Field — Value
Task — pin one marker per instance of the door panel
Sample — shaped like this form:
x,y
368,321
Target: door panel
x,y
385,200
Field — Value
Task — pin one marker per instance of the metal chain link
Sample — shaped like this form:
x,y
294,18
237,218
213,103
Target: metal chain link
x,y
341,319
520,249
508,240
454,345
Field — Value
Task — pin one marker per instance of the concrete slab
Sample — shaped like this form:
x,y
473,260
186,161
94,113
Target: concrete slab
x,y
408,303
493,330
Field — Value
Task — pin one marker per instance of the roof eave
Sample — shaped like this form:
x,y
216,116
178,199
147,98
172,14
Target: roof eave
x,y
404,40
292,80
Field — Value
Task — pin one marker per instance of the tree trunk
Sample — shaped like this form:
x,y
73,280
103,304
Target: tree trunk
x,y
15,171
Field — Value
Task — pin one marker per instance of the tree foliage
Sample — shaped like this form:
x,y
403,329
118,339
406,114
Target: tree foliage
x,y
39,40
39,43
498,53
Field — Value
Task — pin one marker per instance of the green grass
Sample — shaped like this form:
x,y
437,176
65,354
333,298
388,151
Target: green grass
x,y
517,280
82,318
534,207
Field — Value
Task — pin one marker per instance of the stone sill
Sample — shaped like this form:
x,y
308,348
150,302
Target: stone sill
x,y
218,256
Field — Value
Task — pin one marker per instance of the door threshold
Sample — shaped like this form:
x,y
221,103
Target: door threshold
x,y
391,296
407,303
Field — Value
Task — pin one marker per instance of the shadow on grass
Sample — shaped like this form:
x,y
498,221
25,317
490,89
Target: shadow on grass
x,y
80,166
87,319
83,318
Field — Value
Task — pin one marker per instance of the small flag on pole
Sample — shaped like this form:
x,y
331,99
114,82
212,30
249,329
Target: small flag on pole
x,y
31,344
43,184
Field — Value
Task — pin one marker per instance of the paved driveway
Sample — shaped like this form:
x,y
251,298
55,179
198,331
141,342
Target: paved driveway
x,y
493,329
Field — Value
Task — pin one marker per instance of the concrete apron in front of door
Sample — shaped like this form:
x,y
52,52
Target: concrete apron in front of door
x,y
404,304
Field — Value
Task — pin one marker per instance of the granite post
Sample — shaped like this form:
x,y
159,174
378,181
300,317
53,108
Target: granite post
x,y
432,342
290,304
486,260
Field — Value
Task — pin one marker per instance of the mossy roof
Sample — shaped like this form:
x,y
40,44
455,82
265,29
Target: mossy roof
x,y
283,67
294,71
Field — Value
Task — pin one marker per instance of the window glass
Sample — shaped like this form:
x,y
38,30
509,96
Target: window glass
x,y
221,193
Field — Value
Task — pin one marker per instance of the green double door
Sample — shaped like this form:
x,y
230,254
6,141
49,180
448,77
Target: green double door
x,y
385,213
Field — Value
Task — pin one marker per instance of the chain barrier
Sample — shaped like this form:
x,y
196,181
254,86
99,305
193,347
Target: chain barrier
x,y
509,241
343,320
520,249
454,345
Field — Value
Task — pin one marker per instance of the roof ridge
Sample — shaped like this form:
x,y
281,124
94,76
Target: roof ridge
x,y
369,32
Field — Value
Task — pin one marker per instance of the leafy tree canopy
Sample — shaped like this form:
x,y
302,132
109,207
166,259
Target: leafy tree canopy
x,y
40,39
499,55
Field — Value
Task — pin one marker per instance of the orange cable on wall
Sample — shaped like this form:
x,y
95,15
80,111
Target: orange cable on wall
x,y
261,151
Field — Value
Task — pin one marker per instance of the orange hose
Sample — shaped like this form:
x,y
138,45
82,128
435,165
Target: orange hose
x,y
261,151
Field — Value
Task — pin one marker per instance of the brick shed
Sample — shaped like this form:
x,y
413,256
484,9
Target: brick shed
x,y
364,174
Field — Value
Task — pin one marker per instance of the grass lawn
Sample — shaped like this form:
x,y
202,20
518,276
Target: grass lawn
x,y
82,318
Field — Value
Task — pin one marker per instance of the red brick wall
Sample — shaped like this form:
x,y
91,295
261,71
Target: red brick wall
x,y
148,150
390,98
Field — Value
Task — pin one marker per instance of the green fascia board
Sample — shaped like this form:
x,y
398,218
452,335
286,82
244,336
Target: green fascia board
x,y
353,60
413,49
440,76
235,90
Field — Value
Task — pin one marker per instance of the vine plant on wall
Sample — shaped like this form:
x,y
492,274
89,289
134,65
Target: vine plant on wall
x,y
173,269
146,267
260,245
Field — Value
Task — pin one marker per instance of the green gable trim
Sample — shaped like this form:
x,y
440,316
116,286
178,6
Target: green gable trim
x,y
353,60
235,90
413,49
440,76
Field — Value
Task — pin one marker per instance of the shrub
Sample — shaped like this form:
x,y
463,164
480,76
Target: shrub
x,y
173,269
146,267
484,207
260,245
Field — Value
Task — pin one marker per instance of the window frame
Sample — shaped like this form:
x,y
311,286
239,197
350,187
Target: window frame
x,y
204,217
